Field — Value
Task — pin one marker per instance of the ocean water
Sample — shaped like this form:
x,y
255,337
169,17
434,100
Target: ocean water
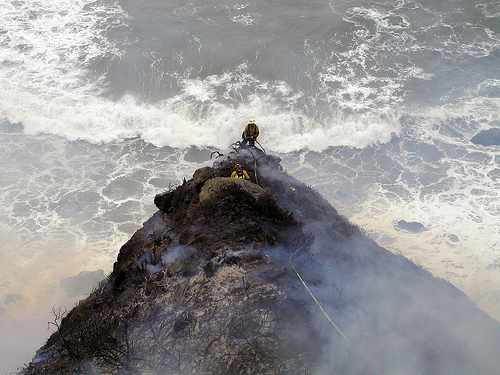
x,y
106,103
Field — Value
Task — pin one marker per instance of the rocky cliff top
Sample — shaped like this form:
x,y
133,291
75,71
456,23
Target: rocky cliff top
x,y
265,277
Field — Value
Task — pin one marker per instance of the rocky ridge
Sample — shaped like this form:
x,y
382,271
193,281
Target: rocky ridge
x,y
265,277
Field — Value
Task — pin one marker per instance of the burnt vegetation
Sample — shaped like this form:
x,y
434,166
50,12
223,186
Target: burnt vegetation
x,y
220,279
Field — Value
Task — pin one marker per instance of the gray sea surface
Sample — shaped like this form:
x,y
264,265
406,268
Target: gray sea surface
x,y
372,103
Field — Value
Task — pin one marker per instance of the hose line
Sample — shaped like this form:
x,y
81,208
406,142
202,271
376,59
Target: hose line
x,y
313,297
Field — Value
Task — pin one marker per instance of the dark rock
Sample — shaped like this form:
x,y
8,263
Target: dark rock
x,y
234,195
216,188
209,269
163,201
203,174
410,226
489,137
219,281
188,237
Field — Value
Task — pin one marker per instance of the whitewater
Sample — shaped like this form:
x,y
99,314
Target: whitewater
x,y
106,103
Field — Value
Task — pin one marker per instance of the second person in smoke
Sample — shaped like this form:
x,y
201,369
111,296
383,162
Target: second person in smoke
x,y
240,173
250,133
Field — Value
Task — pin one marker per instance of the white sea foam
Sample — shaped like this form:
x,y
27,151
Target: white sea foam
x,y
68,206
46,88
490,9
45,46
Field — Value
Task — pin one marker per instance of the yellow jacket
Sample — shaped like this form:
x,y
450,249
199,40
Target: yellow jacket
x,y
244,175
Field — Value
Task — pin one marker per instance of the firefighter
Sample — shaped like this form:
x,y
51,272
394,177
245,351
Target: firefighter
x,y
250,133
240,173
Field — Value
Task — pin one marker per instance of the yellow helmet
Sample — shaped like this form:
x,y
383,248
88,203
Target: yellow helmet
x,y
237,166
251,121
